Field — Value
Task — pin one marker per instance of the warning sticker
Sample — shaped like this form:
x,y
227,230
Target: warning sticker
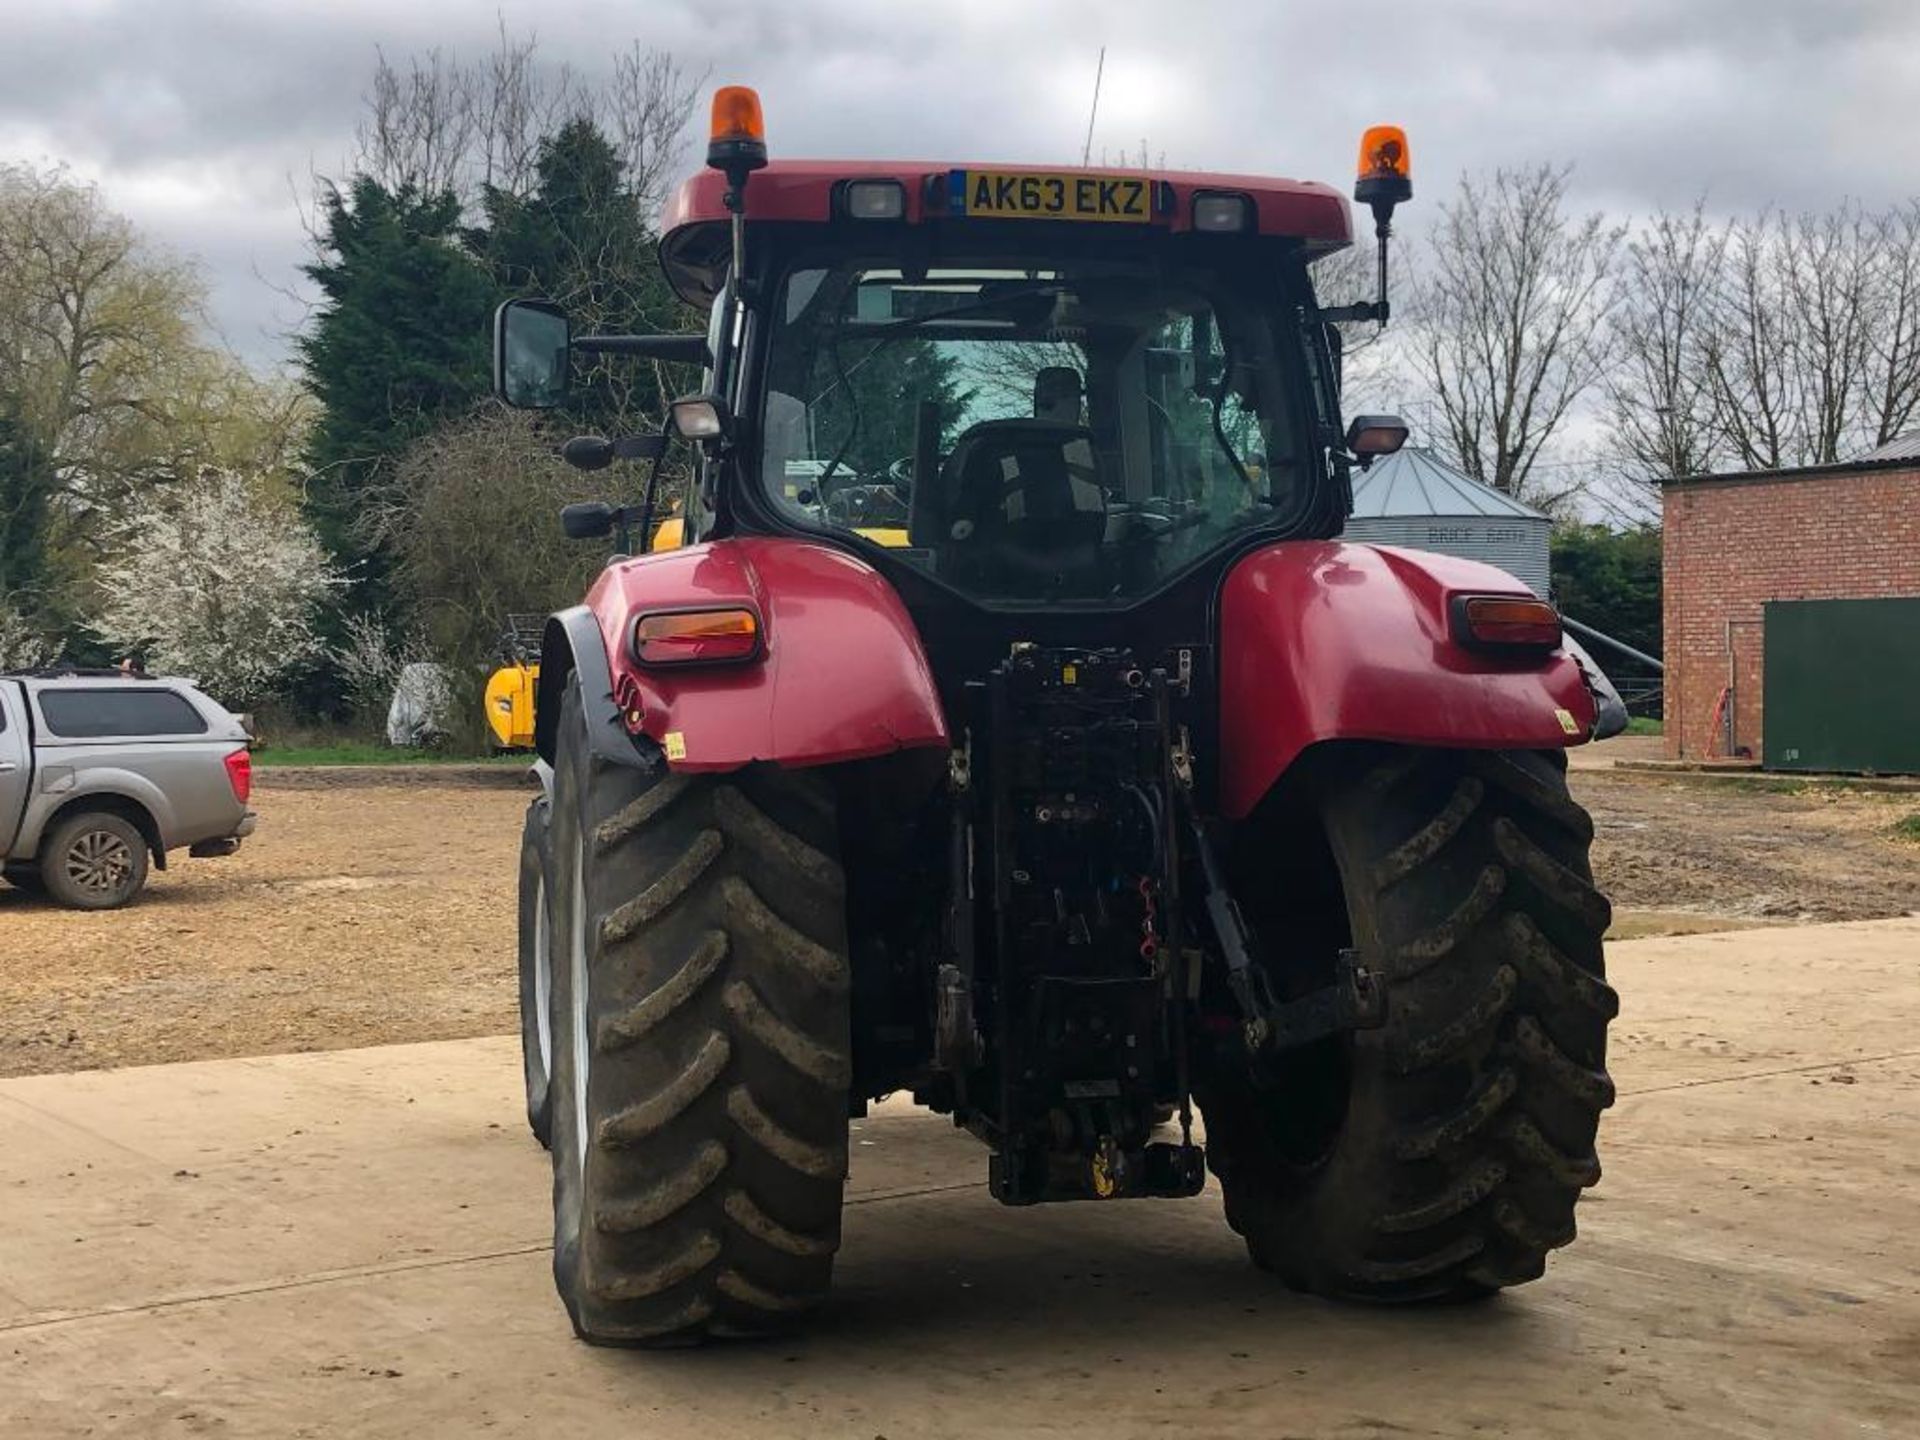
x,y
676,743
1565,717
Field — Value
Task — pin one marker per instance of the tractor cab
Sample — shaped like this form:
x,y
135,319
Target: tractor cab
x,y
1029,388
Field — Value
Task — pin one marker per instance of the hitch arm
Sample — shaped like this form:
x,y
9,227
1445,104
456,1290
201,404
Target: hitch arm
x,y
1356,1000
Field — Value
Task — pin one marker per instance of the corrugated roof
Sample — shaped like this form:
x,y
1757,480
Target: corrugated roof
x,y
1418,482
1901,447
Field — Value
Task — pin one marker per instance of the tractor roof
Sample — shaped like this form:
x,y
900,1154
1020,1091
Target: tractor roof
x,y
803,191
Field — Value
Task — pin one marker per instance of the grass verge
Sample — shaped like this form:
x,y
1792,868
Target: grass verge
x,y
356,752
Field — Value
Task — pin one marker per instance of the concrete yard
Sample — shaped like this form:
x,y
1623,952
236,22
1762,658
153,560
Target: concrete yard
x,y
353,1243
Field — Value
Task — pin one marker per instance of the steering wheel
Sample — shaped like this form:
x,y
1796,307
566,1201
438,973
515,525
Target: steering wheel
x,y
865,504
1156,524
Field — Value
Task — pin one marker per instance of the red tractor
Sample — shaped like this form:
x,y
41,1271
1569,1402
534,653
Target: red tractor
x,y
1012,728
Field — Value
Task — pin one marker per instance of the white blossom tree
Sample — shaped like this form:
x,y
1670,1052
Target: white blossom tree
x,y
220,581
23,645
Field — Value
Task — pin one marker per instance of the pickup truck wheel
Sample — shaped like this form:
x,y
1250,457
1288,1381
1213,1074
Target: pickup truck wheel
x,y
701,1043
536,968
1462,1131
94,861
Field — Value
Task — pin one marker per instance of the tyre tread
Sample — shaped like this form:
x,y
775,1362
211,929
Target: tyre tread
x,y
720,1055
1460,1161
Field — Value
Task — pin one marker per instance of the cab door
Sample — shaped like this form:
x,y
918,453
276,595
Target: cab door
x,y
16,763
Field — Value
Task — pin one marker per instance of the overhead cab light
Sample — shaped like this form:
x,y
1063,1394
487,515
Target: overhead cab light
x,y
1385,172
696,637
1506,622
737,139
1222,213
874,200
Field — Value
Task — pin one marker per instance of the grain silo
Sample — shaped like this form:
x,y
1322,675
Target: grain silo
x,y
1416,499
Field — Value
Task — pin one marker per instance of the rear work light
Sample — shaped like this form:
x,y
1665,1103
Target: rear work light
x,y
240,774
696,637
1222,213
1505,622
874,200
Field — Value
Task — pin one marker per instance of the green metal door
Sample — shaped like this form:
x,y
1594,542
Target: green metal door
x,y
1842,687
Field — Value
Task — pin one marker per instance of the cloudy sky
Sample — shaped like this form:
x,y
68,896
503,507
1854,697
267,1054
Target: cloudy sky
x,y
205,119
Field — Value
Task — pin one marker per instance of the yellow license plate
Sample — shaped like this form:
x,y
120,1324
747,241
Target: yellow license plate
x,y
1003,195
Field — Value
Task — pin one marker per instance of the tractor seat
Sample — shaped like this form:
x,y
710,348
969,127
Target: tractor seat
x,y
1027,510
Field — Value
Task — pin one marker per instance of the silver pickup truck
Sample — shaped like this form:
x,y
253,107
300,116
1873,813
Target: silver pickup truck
x,y
102,772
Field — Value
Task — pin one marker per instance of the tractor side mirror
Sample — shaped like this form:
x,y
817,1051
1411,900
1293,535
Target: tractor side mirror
x,y
1371,436
531,343
587,520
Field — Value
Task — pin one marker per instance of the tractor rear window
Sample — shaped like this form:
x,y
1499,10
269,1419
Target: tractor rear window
x,y
92,714
1034,435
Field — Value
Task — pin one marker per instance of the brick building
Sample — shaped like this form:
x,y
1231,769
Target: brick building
x,y
1734,542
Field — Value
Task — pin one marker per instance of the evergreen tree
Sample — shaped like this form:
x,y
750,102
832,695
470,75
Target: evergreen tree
x,y
27,486
580,238
1610,579
400,343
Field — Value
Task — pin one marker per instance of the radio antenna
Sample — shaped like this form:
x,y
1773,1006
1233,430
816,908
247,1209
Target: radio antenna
x,y
1086,151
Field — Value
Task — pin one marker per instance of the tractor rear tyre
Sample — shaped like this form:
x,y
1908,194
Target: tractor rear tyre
x,y
536,967
701,1045
1467,1128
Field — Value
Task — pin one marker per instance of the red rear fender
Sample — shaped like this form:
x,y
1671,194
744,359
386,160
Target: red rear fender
x,y
1321,640
841,676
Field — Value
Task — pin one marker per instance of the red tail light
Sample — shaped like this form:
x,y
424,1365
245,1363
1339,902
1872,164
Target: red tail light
x,y
696,637
1506,621
240,774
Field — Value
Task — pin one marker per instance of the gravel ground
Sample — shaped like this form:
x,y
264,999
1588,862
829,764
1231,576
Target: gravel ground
x,y
375,907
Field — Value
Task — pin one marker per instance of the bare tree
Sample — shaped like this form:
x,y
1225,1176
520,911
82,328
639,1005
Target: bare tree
x,y
439,123
1509,323
645,107
1809,350
420,126
1890,373
1659,398
1746,355
469,513
1827,267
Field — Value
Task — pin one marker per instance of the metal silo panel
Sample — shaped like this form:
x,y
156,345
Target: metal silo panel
x,y
1517,544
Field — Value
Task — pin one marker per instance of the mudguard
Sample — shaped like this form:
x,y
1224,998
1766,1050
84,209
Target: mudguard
x,y
1323,640
842,675
58,786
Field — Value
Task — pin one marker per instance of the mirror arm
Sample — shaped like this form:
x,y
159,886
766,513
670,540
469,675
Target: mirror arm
x,y
1352,314
646,502
640,447
686,349
1382,228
